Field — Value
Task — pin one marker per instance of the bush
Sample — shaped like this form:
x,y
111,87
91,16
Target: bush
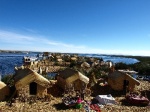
x,y
8,79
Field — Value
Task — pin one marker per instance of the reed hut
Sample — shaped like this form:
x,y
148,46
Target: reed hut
x,y
28,83
59,60
73,58
4,91
85,65
72,78
46,54
120,80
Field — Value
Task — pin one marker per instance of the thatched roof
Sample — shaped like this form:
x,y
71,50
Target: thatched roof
x,y
128,71
2,84
4,91
58,57
136,81
59,60
26,76
73,58
116,75
71,75
85,64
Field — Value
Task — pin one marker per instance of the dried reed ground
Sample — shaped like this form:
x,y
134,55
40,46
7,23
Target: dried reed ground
x,y
55,105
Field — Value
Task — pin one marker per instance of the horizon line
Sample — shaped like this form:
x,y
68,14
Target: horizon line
x,y
75,53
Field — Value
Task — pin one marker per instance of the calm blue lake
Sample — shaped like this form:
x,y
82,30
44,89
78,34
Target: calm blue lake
x,y
9,60
114,59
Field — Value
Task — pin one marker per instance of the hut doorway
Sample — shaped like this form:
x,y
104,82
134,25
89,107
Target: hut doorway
x,y
125,86
33,88
77,85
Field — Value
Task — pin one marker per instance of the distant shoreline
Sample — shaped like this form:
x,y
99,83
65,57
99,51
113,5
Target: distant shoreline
x,y
116,55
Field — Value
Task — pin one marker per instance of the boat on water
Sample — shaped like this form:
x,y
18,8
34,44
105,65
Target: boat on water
x,y
29,59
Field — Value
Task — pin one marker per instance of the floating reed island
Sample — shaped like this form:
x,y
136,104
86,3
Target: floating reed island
x,y
55,82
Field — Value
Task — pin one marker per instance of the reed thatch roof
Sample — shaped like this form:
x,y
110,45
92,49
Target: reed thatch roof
x,y
59,60
85,64
73,58
58,57
117,74
25,76
4,91
128,71
2,84
71,75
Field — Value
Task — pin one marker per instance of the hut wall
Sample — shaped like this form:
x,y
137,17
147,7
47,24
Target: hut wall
x,y
4,92
24,91
61,82
41,91
79,85
116,84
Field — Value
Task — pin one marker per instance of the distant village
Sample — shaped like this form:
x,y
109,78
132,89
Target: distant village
x,y
63,75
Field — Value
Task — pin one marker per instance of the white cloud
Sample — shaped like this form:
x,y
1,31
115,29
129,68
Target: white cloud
x,y
11,37
16,41
63,44
16,38
122,52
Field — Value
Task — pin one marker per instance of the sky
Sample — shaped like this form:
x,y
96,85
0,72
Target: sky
x,y
76,26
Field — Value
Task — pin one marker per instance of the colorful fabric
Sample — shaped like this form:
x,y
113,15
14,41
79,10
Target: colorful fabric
x,y
95,107
79,100
78,106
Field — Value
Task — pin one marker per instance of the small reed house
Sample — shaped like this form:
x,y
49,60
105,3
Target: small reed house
x,y
28,83
119,81
72,78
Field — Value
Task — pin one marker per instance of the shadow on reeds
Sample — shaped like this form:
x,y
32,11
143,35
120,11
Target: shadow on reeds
x,y
104,90
115,93
125,103
146,93
100,90
61,106
55,91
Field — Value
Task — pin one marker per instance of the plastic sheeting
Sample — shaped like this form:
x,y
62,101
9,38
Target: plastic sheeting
x,y
105,99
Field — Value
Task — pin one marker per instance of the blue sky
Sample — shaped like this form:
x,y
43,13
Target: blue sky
x,y
76,26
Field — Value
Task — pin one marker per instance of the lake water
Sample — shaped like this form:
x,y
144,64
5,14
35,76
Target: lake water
x,y
9,60
114,59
